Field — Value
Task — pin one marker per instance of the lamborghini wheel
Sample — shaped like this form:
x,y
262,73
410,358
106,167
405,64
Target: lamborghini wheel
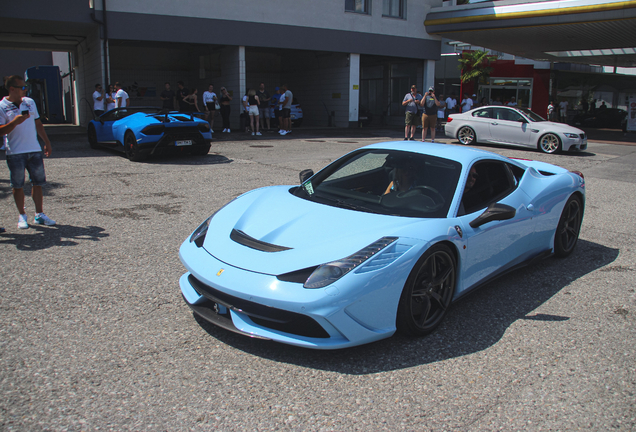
x,y
202,151
466,135
567,232
92,137
131,148
428,292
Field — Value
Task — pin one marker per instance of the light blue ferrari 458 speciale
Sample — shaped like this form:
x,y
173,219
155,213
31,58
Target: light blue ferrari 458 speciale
x,y
383,239
141,132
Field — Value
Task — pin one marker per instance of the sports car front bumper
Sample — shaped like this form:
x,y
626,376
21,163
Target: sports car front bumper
x,y
358,309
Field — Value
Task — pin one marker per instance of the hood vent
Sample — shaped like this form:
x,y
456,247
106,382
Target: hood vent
x,y
241,238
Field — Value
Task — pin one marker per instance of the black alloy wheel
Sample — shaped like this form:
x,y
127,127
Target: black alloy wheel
x,y
428,292
92,137
569,227
131,148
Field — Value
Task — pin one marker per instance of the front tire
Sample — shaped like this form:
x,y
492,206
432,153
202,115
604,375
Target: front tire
x,y
567,233
92,137
131,148
466,135
428,292
550,143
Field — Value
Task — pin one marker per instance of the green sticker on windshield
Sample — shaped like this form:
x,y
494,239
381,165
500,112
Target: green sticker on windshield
x,y
308,188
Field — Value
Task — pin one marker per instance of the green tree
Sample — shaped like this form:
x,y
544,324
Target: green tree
x,y
475,66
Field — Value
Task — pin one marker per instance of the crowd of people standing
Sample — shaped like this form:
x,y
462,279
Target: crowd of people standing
x,y
258,106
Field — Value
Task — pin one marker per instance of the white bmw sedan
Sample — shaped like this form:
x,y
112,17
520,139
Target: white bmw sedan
x,y
514,126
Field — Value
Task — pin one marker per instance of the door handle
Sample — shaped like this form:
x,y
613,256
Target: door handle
x,y
494,123
530,207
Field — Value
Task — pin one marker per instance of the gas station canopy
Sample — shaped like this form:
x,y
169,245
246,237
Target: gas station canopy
x,y
596,32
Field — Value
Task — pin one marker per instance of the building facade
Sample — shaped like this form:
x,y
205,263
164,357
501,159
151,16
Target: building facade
x,y
336,56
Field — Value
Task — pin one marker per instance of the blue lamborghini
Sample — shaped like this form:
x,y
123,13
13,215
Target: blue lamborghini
x,y
383,239
140,132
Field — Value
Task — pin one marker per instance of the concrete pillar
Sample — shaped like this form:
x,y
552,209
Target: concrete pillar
x,y
428,75
354,89
241,77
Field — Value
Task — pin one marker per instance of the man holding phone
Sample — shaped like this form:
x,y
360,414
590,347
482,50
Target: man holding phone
x,y
411,102
429,118
20,122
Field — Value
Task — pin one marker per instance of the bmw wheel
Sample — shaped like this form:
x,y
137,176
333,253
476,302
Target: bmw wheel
x,y
550,143
466,135
428,292
131,148
92,137
569,227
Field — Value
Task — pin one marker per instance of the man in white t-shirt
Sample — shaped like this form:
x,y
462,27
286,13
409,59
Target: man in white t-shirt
x,y
451,103
121,97
20,122
513,101
467,103
98,100
285,101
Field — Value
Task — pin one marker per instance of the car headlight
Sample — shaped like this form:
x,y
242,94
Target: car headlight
x,y
328,273
571,135
198,236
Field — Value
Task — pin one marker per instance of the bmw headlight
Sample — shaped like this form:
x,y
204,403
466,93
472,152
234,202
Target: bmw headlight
x,y
198,236
571,135
328,273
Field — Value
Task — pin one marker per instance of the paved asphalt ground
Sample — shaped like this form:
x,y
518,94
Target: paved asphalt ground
x,y
94,334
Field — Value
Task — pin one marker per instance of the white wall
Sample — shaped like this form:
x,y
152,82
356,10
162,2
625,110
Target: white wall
x,y
90,62
324,14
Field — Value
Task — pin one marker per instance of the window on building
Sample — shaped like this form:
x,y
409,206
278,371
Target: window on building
x,y
359,6
394,8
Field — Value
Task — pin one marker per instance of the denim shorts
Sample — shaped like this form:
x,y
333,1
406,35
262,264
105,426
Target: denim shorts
x,y
32,162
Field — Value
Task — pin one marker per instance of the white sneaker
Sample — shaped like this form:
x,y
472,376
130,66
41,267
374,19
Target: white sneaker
x,y
253,134
283,133
42,219
22,222
259,134
228,131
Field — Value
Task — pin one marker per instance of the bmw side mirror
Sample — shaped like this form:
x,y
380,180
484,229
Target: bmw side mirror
x,y
305,174
494,212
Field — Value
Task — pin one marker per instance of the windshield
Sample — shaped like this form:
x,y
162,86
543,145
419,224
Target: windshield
x,y
387,182
531,114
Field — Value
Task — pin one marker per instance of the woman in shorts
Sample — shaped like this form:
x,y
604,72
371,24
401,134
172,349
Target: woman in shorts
x,y
253,102
209,101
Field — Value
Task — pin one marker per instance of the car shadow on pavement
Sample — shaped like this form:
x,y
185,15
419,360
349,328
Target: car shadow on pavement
x,y
186,159
39,237
473,324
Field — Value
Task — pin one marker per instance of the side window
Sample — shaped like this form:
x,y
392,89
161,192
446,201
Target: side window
x,y
488,182
507,114
483,113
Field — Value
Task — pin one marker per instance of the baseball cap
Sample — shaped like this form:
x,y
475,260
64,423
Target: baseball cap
x,y
277,88
431,88
474,95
